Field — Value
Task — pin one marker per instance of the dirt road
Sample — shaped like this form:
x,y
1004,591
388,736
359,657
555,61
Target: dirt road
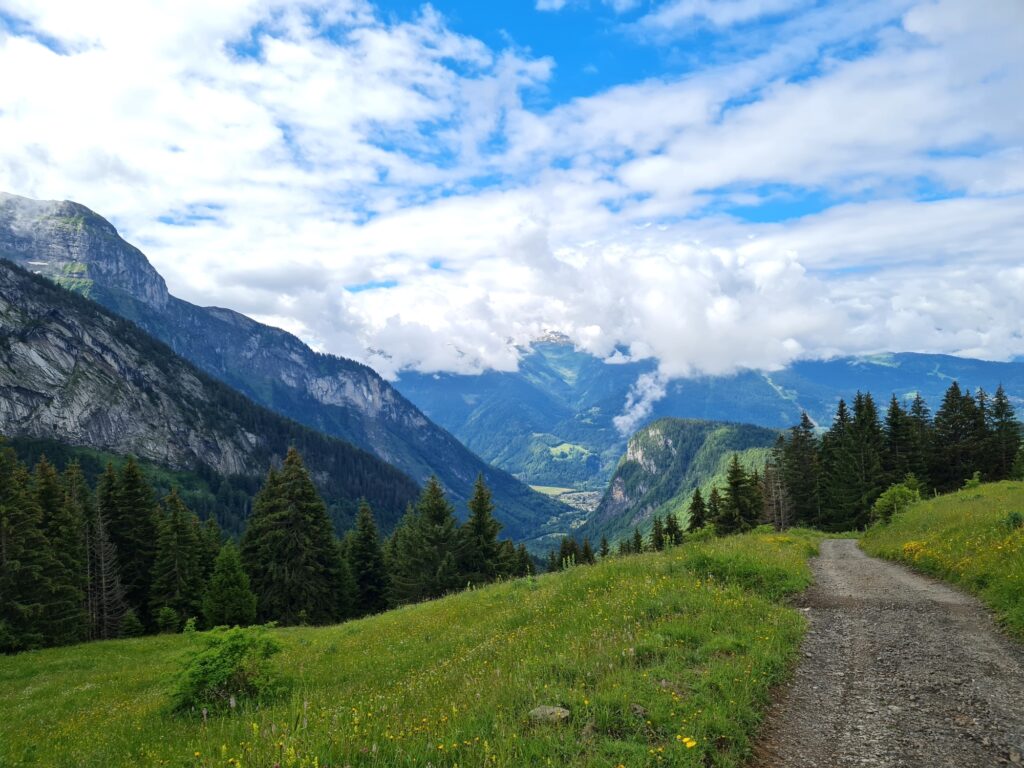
x,y
897,670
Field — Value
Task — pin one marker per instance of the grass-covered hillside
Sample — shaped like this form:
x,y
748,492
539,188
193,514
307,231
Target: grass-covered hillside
x,y
661,659
974,538
664,462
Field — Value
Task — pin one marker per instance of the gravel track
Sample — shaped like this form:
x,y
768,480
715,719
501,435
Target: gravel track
x,y
898,670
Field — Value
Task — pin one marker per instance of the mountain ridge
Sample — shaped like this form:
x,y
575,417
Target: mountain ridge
x,y
79,249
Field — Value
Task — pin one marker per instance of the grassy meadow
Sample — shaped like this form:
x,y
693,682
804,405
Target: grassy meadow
x,y
662,659
973,538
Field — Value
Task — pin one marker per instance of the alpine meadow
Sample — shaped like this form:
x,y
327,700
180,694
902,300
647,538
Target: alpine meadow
x,y
583,383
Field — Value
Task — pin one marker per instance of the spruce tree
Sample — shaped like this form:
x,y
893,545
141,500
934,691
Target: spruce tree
x,y
366,564
604,549
424,541
289,550
63,523
26,560
478,548
957,440
673,533
569,553
178,566
524,563
921,440
587,553
133,529
657,534
106,598
739,509
698,512
802,471
714,506
1005,436
638,542
229,600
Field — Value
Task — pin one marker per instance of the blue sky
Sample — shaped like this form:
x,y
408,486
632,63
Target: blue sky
x,y
717,184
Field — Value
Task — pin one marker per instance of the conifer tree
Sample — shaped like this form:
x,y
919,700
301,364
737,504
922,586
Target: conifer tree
x,y
479,559
638,542
524,564
957,440
698,511
424,541
673,532
229,600
657,534
569,553
714,510
366,564
131,626
921,443
587,553
289,550
739,509
133,529
623,547
802,471
1005,436
106,600
63,524
604,550
25,560
898,430
178,567
347,601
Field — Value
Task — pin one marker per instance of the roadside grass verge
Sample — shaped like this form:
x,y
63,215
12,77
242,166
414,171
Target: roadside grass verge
x,y
664,659
973,538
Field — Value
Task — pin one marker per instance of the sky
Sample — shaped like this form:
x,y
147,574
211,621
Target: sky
x,y
716,184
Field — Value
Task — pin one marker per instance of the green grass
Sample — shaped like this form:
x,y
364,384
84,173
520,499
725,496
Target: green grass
x,y
966,538
564,451
551,490
644,651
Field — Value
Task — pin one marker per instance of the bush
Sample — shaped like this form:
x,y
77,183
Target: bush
x,y
895,499
973,482
232,667
1014,520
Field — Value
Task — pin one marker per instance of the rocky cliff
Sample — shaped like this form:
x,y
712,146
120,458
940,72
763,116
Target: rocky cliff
x,y
71,371
77,248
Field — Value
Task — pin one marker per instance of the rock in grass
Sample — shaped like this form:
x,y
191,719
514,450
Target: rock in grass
x,y
546,714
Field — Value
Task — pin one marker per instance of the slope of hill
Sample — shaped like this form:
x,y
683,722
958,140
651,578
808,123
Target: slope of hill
x,y
79,249
663,464
973,538
73,372
651,658
551,422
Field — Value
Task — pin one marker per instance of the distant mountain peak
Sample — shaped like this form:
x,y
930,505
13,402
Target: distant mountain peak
x,y
553,337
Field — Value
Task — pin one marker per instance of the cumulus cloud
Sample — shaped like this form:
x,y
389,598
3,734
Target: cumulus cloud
x,y
269,157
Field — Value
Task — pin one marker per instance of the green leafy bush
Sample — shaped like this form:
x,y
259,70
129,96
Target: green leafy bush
x,y
167,620
232,667
897,498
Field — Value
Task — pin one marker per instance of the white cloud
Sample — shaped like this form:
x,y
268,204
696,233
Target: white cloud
x,y
325,147
721,13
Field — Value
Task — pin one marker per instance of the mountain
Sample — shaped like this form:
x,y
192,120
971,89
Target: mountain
x,y
74,246
552,421
664,462
74,372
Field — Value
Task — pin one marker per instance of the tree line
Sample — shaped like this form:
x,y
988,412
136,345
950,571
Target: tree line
x,y
832,482
87,562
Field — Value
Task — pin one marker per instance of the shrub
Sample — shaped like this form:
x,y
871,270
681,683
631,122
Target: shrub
x,y
190,626
895,499
233,666
973,482
1014,520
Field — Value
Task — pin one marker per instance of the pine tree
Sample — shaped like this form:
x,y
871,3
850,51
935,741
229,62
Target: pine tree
x,y
802,471
922,440
862,454
739,509
26,560
657,534
624,547
698,512
106,596
604,550
131,626
1005,436
479,560
366,564
638,542
673,533
289,550
229,600
178,567
63,524
899,440
569,553
133,529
